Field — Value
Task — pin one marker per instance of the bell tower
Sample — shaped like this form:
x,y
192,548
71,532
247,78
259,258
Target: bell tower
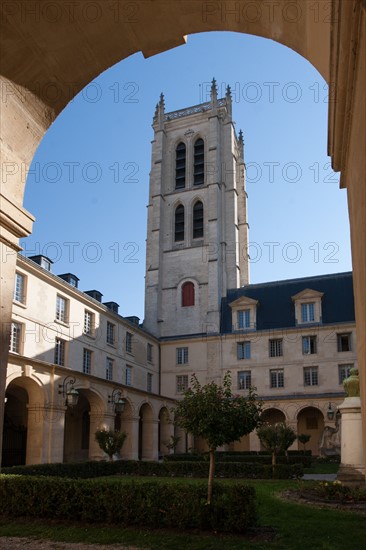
x,y
197,232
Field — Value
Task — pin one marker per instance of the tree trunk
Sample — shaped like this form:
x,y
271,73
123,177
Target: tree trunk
x,y
211,476
273,464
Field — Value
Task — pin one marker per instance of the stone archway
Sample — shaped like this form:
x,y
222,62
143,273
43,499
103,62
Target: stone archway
x,y
147,436
24,423
310,421
39,78
81,423
272,416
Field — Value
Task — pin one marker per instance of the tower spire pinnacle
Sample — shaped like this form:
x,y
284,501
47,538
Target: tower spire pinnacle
x,y
213,92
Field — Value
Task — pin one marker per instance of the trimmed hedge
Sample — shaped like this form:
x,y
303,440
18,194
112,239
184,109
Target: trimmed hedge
x,y
165,469
166,504
303,459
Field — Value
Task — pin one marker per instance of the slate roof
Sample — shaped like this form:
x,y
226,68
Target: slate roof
x,y
276,310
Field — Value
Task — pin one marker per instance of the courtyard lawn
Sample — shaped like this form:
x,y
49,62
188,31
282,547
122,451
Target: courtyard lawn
x,y
296,526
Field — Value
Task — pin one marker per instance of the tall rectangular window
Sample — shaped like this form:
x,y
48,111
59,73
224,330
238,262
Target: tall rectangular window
x,y
87,361
61,309
244,318
128,376
310,376
15,338
244,379
149,353
128,342
110,333
89,323
307,312
344,341
60,346
276,378
149,382
243,350
344,371
182,356
309,345
182,383
275,347
19,290
109,368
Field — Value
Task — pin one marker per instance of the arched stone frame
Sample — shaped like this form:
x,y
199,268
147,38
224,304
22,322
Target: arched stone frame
x,y
177,141
316,432
174,243
35,415
197,297
197,198
77,444
148,432
194,139
338,60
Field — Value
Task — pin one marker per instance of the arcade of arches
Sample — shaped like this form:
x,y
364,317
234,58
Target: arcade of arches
x,y
39,64
35,432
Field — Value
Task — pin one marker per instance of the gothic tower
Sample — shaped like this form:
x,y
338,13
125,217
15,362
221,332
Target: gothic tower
x,y
197,231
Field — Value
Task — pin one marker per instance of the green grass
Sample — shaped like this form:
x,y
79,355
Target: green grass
x,y
322,468
297,527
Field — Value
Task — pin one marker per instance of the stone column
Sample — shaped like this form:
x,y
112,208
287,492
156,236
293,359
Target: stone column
x,y
352,468
130,449
254,443
54,433
24,120
35,437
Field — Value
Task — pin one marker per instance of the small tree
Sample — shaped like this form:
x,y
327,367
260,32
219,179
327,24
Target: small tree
x,y
276,438
110,441
304,439
214,414
173,442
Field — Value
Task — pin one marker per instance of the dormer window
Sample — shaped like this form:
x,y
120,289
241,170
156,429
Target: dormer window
x,y
307,312
244,318
244,313
308,306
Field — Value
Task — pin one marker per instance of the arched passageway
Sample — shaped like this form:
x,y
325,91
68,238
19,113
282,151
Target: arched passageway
x,y
81,422
310,421
272,416
37,87
25,424
147,436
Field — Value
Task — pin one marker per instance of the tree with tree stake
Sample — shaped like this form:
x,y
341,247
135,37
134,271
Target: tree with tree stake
x,y
110,441
213,413
276,438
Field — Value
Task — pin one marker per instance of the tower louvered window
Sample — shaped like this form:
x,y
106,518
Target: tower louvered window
x,y
198,220
180,166
199,163
179,224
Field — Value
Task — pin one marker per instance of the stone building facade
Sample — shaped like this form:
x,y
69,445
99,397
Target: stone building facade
x,y
294,340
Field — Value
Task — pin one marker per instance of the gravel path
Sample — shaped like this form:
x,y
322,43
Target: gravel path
x,y
17,543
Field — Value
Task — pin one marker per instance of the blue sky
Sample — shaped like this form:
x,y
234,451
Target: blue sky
x,y
88,184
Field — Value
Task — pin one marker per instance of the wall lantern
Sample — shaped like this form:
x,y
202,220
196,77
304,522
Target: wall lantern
x,y
330,412
118,401
68,392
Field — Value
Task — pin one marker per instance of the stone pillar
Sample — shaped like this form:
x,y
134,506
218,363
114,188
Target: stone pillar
x,y
130,449
352,468
24,119
35,440
254,442
150,444
54,433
